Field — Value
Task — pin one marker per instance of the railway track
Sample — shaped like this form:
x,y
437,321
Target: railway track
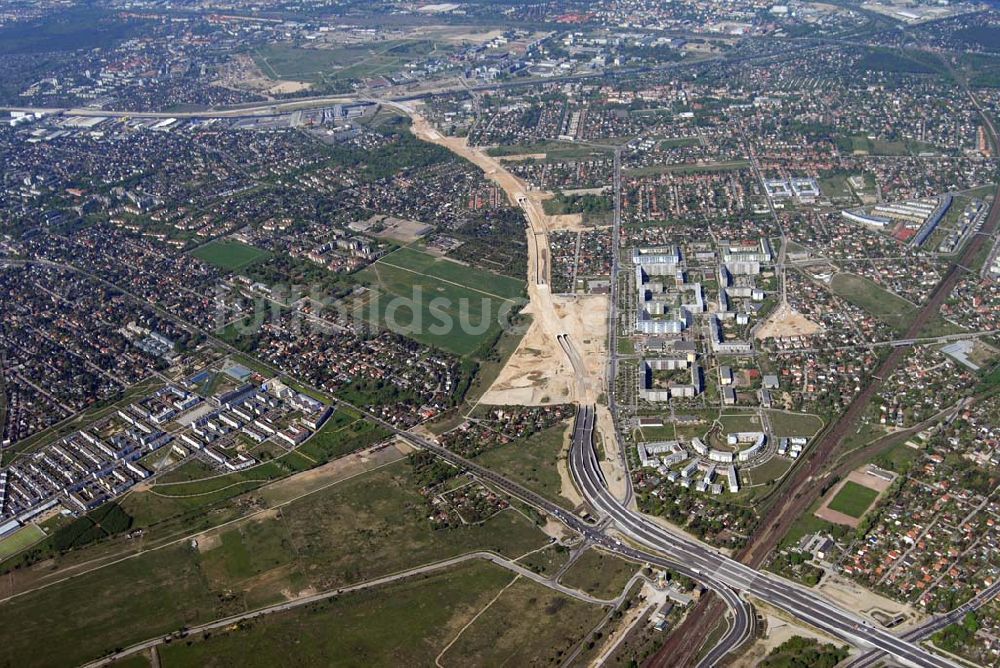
x,y
801,492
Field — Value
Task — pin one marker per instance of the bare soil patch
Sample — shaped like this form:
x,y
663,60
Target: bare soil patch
x,y
786,321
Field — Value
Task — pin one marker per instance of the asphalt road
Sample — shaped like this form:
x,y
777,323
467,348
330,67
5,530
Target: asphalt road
x,y
727,576
932,626
583,459
309,102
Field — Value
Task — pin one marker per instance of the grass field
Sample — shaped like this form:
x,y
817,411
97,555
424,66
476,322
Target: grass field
x,y
806,523
253,561
192,469
772,469
439,302
281,61
152,594
527,625
599,574
3,403
853,499
863,435
344,432
740,422
20,539
450,271
284,61
377,523
188,500
879,147
406,623
364,527
134,661
676,142
553,150
688,168
836,187
884,305
547,561
899,458
230,255
531,462
795,424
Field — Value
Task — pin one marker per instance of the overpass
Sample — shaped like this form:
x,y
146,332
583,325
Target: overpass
x,y
725,575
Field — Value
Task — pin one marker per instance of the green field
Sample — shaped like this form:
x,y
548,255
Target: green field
x,y
884,147
532,462
676,142
377,523
740,422
836,187
527,626
230,255
853,499
358,529
438,302
285,61
772,469
188,500
794,424
553,150
547,561
152,594
3,403
807,523
406,623
882,304
895,60
191,469
20,539
900,458
344,432
450,271
253,561
599,574
134,661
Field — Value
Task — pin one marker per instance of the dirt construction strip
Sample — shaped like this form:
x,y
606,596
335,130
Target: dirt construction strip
x,y
538,372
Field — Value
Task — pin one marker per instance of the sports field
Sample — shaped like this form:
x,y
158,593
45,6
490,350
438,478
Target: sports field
x,y
439,302
230,255
20,539
853,499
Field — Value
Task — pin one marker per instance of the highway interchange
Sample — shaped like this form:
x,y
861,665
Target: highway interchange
x,y
640,539
725,575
